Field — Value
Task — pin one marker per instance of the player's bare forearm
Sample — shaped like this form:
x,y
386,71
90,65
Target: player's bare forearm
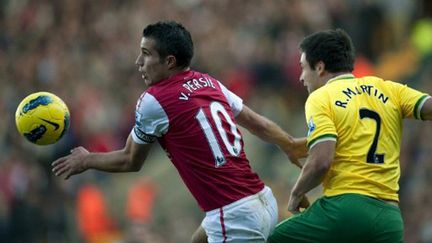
x,y
115,161
270,132
128,159
310,177
318,163
263,128
81,160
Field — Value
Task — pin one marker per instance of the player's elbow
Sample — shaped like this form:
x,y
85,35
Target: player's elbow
x,y
134,166
131,164
320,165
323,166
321,156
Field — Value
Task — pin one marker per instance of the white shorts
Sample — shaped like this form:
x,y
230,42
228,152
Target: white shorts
x,y
250,219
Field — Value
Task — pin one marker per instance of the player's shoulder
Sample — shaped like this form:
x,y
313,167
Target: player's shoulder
x,y
318,99
146,99
320,94
371,79
379,81
140,99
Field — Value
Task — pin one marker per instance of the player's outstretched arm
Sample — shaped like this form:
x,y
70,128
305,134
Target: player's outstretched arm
x,y
270,132
426,111
130,158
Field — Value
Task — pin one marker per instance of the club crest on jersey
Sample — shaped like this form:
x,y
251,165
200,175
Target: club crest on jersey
x,y
311,126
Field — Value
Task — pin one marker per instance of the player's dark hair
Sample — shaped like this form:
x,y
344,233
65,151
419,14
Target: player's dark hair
x,y
171,39
333,47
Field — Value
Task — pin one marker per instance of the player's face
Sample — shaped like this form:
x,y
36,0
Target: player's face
x,y
152,67
308,77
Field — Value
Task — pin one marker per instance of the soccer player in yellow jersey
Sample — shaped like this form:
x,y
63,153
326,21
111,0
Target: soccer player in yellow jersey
x,y
354,139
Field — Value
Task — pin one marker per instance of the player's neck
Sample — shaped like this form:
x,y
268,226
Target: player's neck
x,y
176,71
330,76
173,72
334,75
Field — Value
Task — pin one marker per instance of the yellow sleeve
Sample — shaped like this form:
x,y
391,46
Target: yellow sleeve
x,y
410,100
321,126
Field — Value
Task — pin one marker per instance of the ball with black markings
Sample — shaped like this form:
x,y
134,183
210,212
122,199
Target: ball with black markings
x,y
42,118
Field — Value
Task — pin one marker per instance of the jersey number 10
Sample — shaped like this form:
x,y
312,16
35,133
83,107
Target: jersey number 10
x,y
235,148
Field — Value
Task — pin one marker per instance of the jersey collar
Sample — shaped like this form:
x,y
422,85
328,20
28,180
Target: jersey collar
x,y
342,76
178,76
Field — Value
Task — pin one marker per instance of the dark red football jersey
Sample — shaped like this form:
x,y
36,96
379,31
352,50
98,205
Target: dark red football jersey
x,y
192,116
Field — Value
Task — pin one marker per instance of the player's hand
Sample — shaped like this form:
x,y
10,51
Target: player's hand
x,y
71,164
297,202
296,151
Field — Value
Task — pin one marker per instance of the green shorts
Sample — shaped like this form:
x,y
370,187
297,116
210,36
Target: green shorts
x,y
346,218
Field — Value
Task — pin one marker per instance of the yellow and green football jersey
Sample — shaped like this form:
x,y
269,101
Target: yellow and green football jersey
x,y
364,117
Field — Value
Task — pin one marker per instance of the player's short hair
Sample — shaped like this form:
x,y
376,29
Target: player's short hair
x,y
171,38
333,47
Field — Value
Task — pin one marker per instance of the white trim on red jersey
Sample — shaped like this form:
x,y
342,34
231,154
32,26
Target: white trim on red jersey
x,y
152,121
234,100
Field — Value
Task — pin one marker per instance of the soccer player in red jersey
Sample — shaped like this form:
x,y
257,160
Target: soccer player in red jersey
x,y
194,118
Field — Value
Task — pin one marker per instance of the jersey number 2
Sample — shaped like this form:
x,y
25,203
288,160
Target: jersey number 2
x,y
372,156
235,148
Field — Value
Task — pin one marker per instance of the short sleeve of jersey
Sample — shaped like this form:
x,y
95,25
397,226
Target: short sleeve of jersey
x,y
235,102
410,100
151,121
321,126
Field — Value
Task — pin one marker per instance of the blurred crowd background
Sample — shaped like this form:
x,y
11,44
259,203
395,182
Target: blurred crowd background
x,y
84,51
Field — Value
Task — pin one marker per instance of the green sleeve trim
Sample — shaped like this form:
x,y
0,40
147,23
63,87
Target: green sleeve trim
x,y
418,106
323,137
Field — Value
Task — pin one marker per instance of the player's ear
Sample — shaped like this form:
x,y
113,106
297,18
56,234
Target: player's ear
x,y
320,67
171,61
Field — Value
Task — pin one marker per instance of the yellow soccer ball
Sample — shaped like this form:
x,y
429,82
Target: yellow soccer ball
x,y
42,118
